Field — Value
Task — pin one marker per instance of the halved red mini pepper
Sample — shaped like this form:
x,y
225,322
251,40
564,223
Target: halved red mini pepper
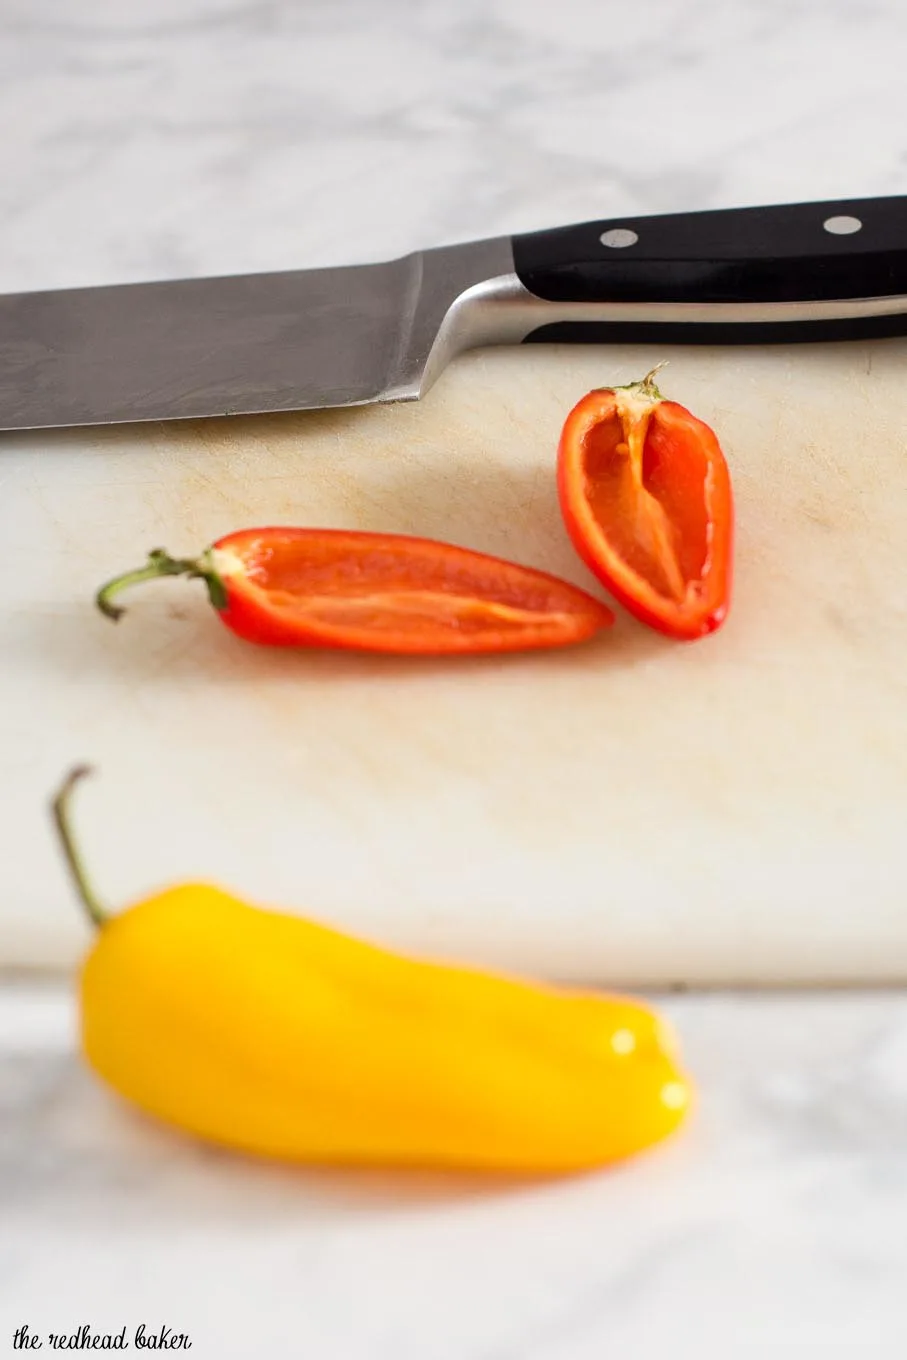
x,y
646,496
287,587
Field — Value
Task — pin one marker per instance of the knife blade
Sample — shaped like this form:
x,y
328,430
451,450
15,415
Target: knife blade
x,y
384,332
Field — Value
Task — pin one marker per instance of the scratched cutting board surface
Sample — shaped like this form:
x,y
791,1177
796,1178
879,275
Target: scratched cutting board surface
x,y
631,810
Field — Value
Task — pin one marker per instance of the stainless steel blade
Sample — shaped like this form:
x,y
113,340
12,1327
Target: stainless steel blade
x,y
383,332
224,346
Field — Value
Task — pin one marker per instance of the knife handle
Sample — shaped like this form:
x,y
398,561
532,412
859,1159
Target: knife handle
x,y
797,271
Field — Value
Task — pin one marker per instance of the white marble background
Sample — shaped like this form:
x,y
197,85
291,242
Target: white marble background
x,y
165,137
772,1230
153,138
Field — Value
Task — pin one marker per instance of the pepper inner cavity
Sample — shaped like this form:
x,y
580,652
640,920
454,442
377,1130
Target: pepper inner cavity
x,y
411,610
634,522
402,589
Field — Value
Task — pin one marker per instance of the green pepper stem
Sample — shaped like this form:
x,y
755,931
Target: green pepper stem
x,y
648,381
97,913
647,386
644,385
160,563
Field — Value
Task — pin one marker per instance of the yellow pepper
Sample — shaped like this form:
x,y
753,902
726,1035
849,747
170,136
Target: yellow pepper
x,y
278,1036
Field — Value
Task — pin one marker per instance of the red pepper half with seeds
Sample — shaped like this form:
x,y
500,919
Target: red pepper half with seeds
x,y
289,587
646,496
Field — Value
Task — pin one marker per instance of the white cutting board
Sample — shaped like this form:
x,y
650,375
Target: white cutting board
x,y
633,810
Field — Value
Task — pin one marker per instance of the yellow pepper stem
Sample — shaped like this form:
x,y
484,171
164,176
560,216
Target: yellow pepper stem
x,y
98,914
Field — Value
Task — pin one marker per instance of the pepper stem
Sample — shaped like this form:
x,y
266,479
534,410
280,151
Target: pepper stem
x,y
644,386
647,381
97,913
647,385
160,563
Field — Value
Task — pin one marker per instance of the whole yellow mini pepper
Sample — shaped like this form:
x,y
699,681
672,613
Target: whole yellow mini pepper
x,y
272,1034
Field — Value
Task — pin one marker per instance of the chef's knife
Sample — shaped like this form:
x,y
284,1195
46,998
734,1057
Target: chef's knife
x,y
383,332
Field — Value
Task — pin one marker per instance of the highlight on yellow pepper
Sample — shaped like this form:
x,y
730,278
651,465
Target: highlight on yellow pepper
x,y
277,1036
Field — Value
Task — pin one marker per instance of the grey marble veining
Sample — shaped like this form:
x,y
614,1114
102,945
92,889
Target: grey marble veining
x,y
167,138
773,1227
186,137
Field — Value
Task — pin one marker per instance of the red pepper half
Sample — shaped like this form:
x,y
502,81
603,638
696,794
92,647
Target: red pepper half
x,y
285,587
646,496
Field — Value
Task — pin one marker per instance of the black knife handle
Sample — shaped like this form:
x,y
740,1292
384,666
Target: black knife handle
x,y
794,253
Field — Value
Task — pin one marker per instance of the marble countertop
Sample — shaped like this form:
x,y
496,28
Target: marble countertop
x,y
180,137
187,137
774,1226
